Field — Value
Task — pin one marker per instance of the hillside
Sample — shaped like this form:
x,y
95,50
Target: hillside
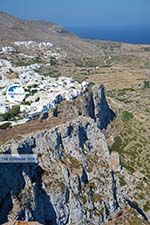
x,y
14,29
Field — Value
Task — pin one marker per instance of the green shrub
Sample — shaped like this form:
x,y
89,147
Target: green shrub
x,y
127,166
117,145
27,103
146,84
146,207
53,61
90,63
4,116
14,111
122,181
123,91
126,116
4,126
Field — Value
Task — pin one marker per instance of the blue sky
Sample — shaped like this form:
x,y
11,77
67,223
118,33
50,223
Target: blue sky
x,y
81,12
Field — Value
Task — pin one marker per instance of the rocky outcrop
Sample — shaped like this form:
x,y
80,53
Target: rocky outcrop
x,y
75,179
91,104
72,182
104,112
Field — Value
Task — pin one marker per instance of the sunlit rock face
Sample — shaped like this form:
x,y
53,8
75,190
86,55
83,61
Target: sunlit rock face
x,y
75,179
72,183
91,104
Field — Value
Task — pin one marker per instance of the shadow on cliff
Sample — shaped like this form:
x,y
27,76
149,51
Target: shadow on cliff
x,y
105,114
12,183
135,206
97,108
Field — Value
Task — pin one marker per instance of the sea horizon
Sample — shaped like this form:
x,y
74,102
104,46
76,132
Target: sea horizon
x,y
137,34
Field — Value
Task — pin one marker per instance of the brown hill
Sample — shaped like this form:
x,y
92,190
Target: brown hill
x,y
14,29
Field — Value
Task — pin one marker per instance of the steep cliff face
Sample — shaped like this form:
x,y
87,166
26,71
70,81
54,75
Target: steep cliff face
x,y
72,183
75,179
92,104
104,112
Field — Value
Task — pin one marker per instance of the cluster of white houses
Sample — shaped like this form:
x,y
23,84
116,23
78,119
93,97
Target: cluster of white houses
x,y
33,44
34,92
47,48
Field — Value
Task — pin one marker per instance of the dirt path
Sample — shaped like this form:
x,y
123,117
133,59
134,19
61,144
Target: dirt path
x,y
17,132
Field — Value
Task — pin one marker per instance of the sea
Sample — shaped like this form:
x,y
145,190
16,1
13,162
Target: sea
x,y
126,34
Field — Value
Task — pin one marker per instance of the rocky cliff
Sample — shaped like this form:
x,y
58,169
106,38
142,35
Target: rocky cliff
x,y
73,181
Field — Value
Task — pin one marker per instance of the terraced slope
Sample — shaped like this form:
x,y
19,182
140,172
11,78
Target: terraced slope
x,y
130,137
